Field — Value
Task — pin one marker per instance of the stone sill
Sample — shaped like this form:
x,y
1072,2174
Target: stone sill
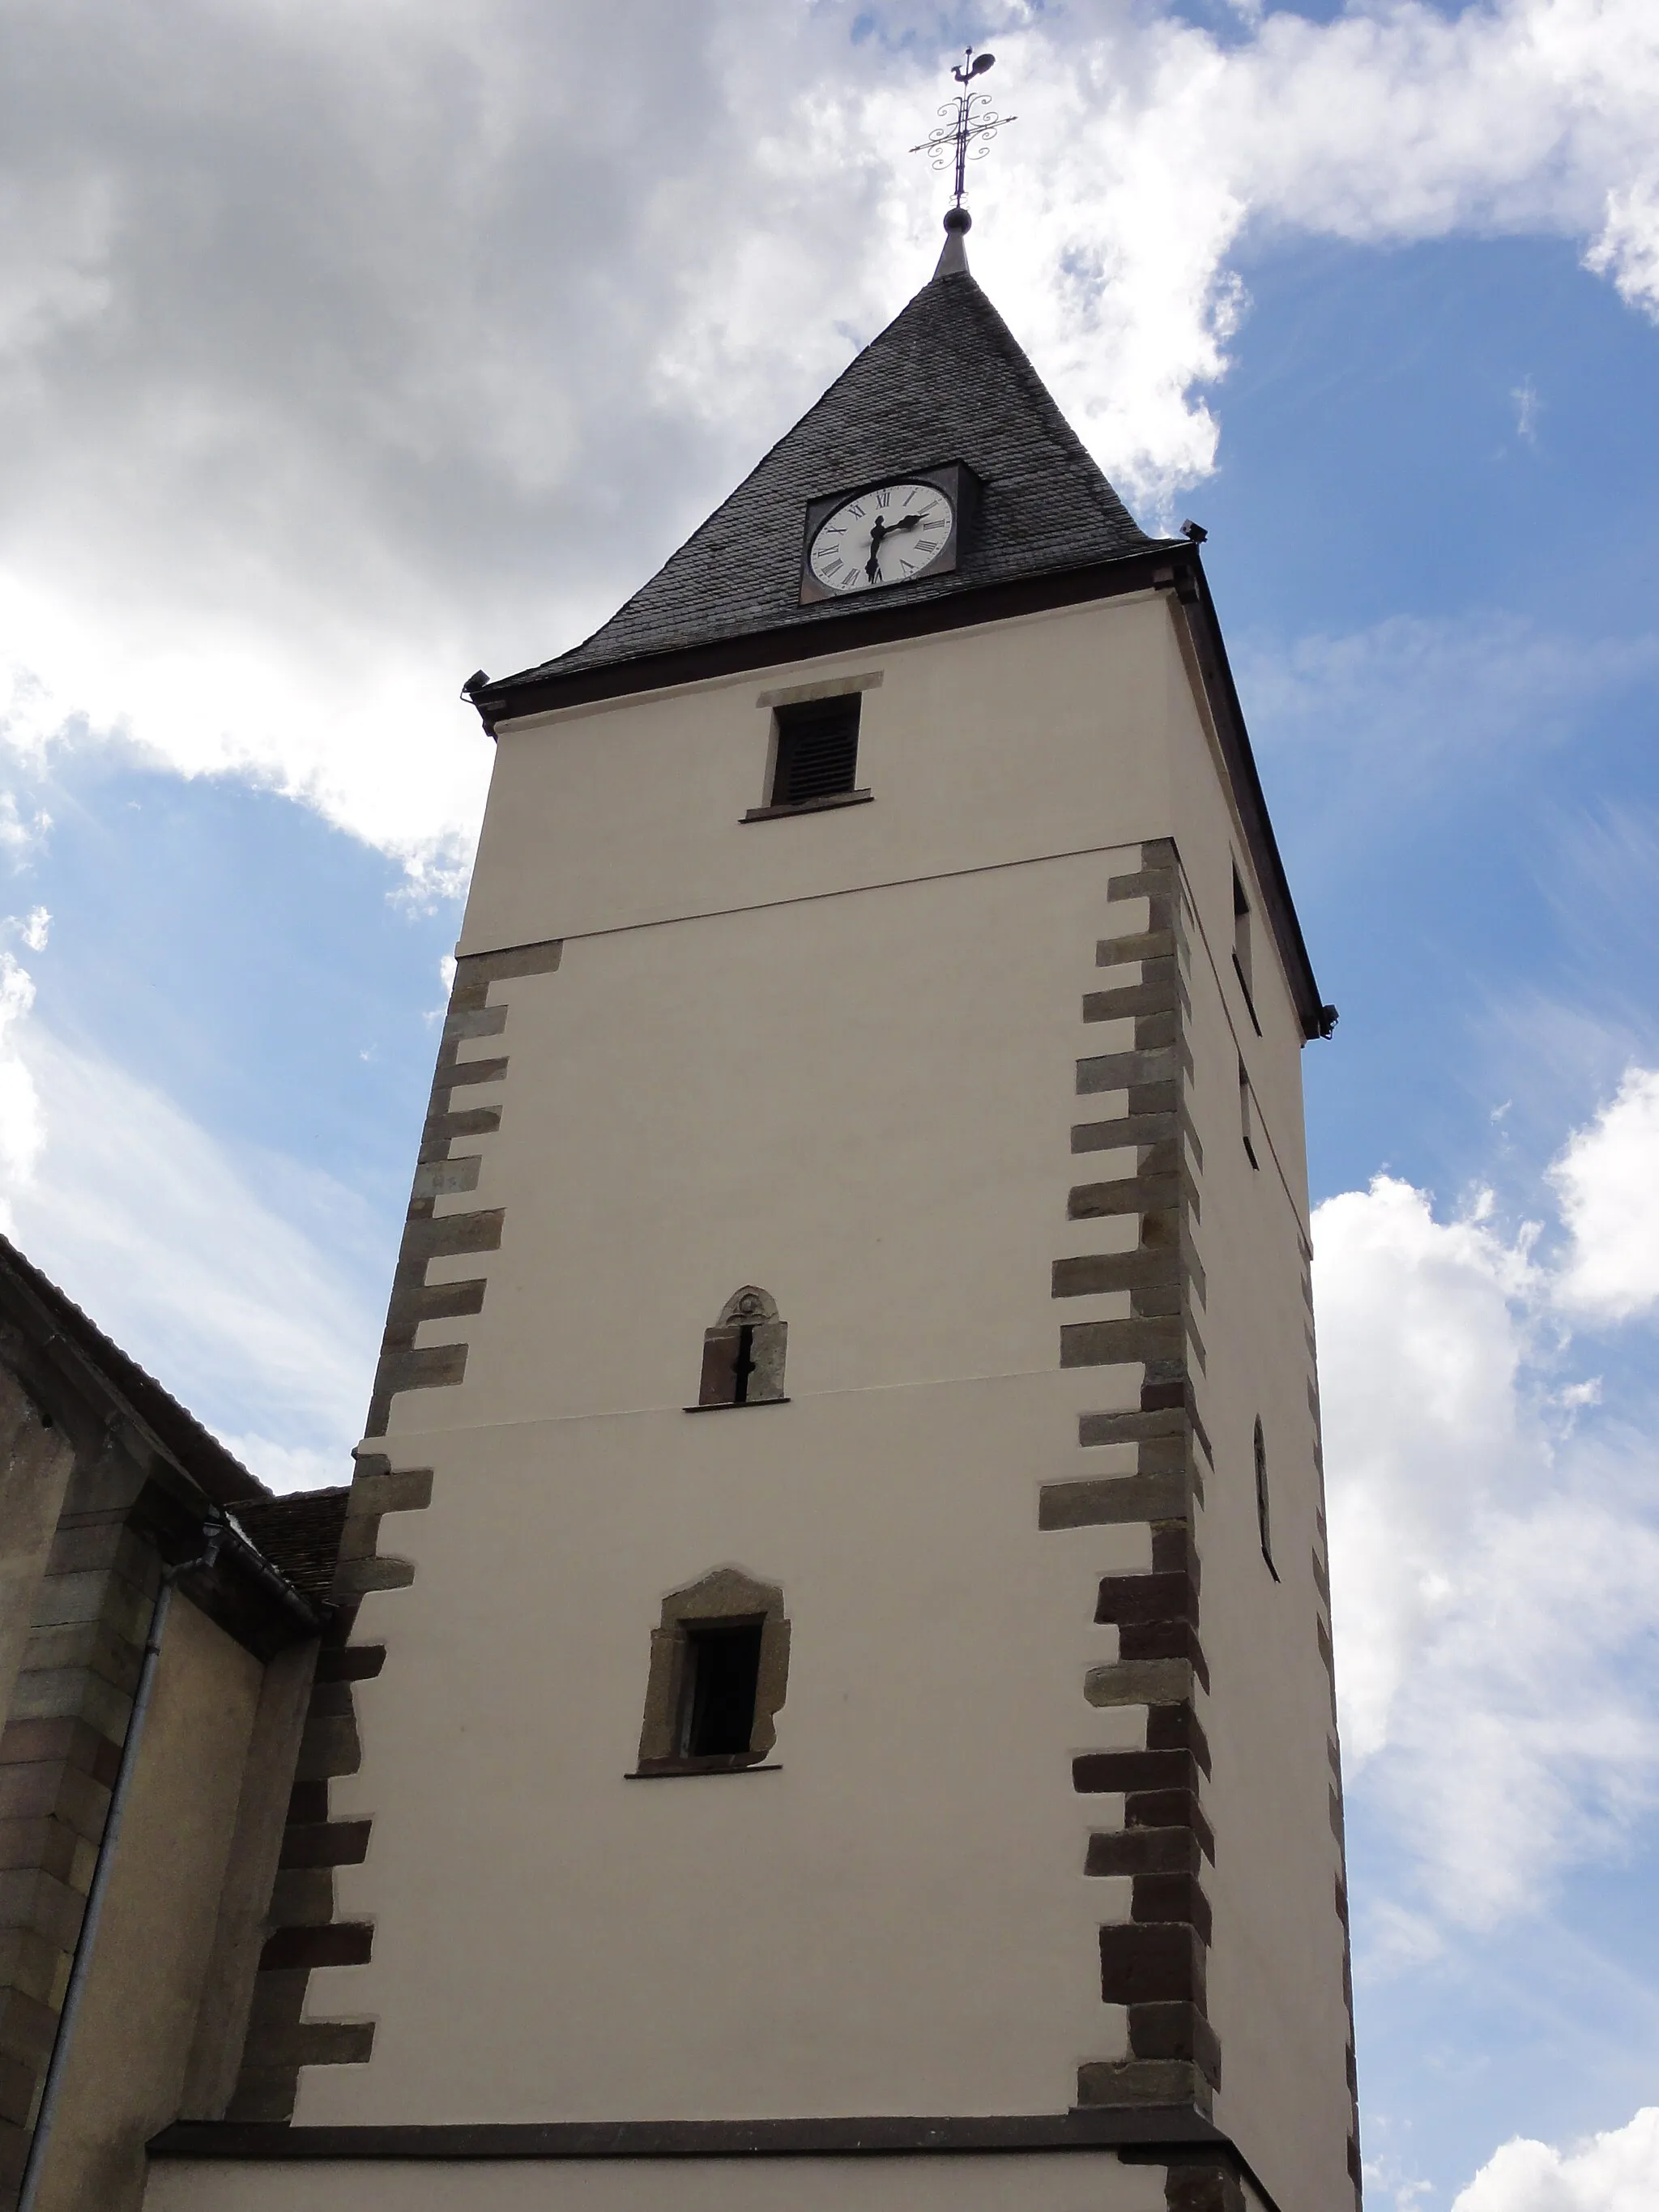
x,y
680,1770
732,1406
810,805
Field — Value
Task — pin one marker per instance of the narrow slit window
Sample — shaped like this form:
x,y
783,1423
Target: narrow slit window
x,y
1264,1523
722,1675
1247,1115
728,1365
1241,966
818,754
1241,930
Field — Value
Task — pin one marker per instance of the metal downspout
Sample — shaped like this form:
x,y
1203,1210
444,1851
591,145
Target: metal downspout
x,y
213,1534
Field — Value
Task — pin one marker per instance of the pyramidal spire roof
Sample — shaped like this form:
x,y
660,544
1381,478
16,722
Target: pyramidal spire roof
x,y
945,381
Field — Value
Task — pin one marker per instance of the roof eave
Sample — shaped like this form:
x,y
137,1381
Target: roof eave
x,y
515,698
1166,564
1192,590
65,1359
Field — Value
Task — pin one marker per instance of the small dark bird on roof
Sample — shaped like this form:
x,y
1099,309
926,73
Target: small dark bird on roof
x,y
1195,531
476,682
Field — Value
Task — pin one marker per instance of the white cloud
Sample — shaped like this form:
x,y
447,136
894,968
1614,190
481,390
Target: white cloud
x,y
1617,2171
305,422
21,837
1404,696
21,1129
1419,1350
1360,731
198,1264
1112,247
1494,1542
1627,249
285,1466
1608,1180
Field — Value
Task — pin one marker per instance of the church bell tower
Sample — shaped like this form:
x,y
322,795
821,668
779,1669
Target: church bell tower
x,y
832,1701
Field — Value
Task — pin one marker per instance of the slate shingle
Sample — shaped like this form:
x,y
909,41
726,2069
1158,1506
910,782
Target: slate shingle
x,y
300,1534
945,381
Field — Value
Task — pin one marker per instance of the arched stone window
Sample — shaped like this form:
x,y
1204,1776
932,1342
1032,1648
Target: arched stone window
x,y
743,1353
720,1666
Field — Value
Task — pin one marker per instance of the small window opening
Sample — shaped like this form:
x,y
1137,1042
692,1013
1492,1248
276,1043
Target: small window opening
x,y
1246,1115
720,1665
722,1674
743,1366
1242,967
1240,929
1263,1521
818,754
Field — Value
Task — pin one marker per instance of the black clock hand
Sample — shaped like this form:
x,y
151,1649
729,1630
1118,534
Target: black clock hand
x,y
882,529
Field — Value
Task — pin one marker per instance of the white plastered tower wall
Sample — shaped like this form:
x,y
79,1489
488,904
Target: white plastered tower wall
x,y
1279,1997
1027,1878
837,1056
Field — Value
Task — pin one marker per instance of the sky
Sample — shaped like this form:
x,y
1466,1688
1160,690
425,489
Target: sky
x,y
347,348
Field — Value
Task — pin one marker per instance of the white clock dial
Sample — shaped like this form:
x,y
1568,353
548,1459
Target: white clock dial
x,y
882,537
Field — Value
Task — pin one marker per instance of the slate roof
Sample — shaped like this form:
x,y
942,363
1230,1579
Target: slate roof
x,y
300,1534
945,381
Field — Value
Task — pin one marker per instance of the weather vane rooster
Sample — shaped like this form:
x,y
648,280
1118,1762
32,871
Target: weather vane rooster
x,y
970,122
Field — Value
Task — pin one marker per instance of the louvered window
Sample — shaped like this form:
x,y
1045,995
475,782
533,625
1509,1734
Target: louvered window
x,y
818,751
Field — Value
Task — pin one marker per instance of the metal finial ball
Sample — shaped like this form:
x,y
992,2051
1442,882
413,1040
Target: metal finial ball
x,y
957,218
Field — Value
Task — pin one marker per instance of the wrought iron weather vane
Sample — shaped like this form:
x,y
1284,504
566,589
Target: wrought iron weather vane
x,y
970,122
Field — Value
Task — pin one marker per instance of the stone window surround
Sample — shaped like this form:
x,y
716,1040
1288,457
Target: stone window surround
x,y
725,1595
803,695
757,1311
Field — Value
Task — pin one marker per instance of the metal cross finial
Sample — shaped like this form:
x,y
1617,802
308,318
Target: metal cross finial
x,y
967,118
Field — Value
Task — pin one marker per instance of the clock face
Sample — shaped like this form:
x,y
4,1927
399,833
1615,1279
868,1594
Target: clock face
x,y
882,537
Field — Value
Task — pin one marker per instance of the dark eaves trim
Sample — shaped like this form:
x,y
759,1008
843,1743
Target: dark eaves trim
x,y
1173,564
516,696
1152,2135
270,1576
242,1591
1081,2129
1192,589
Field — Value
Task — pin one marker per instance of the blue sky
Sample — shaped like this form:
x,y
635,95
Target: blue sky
x,y
309,424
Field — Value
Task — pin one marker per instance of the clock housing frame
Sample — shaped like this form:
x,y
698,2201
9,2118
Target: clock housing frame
x,y
954,478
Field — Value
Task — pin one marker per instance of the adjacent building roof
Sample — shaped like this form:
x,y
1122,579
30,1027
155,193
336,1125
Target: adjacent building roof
x,y
58,1350
165,1474
300,1534
945,381
37,1314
